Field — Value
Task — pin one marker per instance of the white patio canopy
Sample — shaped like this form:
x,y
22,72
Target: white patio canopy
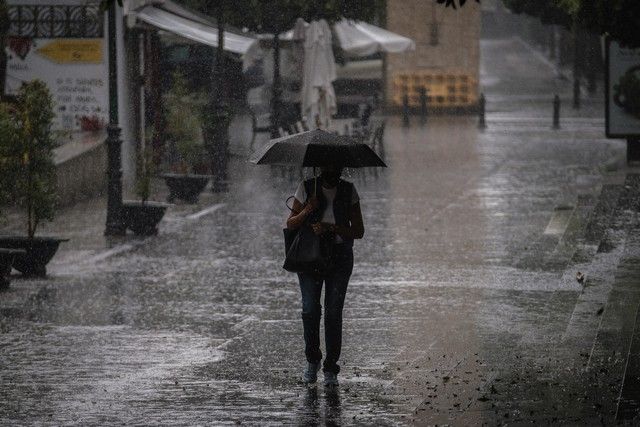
x,y
176,19
358,38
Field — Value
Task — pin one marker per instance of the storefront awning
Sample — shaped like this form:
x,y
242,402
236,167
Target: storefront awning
x,y
192,30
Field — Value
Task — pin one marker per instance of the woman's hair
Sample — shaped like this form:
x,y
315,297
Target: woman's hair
x,y
337,168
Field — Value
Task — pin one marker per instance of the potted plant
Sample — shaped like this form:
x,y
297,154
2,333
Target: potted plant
x,y
7,135
143,216
29,170
183,137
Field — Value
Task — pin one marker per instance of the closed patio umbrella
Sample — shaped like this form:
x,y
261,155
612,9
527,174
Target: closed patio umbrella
x,y
318,97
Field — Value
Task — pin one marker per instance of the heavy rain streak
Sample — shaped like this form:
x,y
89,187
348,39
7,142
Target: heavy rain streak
x,y
292,212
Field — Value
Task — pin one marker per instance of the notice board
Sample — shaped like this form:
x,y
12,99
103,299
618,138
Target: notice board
x,y
622,90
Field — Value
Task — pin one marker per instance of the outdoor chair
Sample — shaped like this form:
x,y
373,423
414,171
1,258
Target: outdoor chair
x,y
260,123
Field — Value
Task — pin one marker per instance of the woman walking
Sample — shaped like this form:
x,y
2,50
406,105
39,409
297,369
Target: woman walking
x,y
332,206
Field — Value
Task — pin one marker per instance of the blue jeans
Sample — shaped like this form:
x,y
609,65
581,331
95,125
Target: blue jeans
x,y
334,294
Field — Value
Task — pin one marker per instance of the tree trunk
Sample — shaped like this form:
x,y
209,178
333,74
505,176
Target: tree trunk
x,y
551,40
576,66
4,29
276,89
155,96
594,62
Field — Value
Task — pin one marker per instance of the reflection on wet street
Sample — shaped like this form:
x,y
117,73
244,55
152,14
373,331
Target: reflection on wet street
x,y
456,311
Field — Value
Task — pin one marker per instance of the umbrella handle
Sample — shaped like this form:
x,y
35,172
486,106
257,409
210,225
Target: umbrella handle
x,y
315,183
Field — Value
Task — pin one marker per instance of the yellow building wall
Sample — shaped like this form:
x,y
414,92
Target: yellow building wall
x,y
448,70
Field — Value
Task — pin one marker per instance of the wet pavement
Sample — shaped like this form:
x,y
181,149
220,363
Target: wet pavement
x,y
463,308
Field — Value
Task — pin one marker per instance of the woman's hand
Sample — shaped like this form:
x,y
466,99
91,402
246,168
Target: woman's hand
x,y
299,212
323,228
320,228
312,204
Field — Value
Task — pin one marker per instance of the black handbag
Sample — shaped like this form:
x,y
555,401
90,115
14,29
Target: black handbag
x,y
306,252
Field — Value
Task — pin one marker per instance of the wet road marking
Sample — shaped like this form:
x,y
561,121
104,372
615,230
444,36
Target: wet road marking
x,y
119,249
71,266
206,211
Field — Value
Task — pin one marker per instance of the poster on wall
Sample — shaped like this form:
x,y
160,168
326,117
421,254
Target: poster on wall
x,y
69,56
622,85
73,69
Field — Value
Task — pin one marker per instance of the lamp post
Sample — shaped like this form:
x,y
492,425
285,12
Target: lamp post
x,y
217,115
114,225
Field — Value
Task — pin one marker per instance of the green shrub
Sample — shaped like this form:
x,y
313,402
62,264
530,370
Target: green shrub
x,y
26,146
144,171
9,131
183,126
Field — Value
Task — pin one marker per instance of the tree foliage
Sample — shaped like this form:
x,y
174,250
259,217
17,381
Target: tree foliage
x,y
619,19
277,16
452,3
183,127
26,148
9,139
548,11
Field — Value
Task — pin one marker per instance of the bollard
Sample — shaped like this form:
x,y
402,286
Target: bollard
x,y
633,151
556,112
423,104
576,94
405,109
482,123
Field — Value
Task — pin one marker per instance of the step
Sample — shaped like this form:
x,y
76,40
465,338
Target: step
x,y
629,401
597,257
612,368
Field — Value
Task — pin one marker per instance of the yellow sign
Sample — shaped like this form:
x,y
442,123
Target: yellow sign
x,y
68,51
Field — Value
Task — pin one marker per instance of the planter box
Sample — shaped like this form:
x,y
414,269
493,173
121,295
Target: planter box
x,y
143,217
7,257
185,187
35,253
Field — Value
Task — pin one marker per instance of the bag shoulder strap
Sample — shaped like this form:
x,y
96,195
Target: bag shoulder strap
x,y
287,203
347,189
308,187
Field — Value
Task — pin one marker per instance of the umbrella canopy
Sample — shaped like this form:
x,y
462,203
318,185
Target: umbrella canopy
x,y
358,38
355,38
317,148
318,96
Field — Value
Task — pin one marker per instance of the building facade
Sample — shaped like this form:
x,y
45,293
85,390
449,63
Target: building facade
x,y
446,62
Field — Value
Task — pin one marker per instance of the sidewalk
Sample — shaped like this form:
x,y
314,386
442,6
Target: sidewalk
x,y
83,224
463,307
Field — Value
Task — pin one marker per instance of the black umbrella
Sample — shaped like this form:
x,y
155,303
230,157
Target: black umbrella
x,y
317,148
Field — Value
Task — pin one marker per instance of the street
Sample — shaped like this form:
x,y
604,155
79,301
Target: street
x,y
463,307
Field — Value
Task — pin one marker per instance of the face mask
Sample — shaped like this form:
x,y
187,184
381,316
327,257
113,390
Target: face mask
x,y
331,176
